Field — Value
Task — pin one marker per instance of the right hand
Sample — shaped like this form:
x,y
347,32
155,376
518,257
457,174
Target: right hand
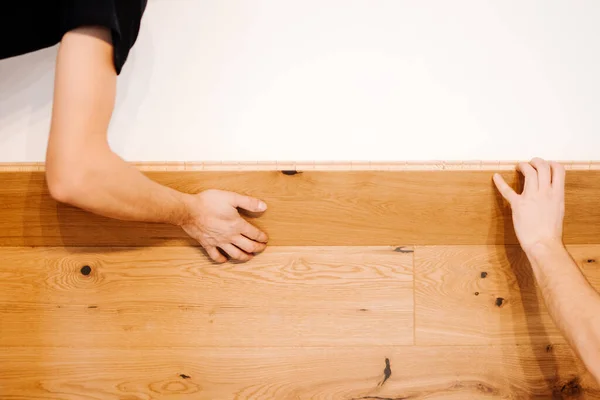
x,y
539,211
215,223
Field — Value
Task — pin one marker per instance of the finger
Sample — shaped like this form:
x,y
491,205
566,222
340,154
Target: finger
x,y
249,246
543,172
506,191
215,254
558,176
236,253
531,179
252,232
249,203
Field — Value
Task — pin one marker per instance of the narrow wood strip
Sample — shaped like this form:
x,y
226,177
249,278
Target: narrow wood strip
x,y
173,296
454,372
485,295
354,208
220,166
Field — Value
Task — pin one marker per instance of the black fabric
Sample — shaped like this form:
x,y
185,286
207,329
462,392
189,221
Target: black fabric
x,y
30,25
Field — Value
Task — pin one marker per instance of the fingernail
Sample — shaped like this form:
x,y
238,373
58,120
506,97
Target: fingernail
x,y
262,206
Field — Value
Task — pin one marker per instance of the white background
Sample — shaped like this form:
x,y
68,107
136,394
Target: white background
x,y
304,80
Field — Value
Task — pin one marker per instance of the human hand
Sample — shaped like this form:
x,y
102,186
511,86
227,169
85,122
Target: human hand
x,y
215,223
538,212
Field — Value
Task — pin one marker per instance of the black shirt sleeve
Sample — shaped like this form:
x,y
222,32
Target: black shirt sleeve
x,y
30,25
122,17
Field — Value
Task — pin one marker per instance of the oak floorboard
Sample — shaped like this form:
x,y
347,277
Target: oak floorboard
x,y
174,296
293,373
478,295
311,208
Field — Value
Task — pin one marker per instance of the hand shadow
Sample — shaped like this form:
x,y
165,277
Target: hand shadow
x,y
538,350
46,222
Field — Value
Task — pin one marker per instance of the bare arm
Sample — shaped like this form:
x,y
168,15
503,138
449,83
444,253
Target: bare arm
x,y
84,172
573,304
538,219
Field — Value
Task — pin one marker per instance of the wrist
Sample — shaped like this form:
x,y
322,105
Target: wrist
x,y
544,249
183,212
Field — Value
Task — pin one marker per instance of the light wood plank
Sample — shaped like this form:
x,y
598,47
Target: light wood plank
x,y
310,208
485,295
174,296
440,372
451,165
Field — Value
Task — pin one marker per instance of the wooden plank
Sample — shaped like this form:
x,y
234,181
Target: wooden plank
x,y
334,208
485,295
439,372
455,165
173,296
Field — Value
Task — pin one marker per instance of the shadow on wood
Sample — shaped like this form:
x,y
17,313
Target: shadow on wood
x,y
336,208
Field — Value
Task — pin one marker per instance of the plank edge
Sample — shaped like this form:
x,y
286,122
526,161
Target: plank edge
x,y
469,165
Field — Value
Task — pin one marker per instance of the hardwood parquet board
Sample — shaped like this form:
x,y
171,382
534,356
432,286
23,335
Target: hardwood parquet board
x,y
174,296
295,373
294,323
314,208
480,295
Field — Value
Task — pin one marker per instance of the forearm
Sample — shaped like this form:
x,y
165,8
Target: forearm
x,y
572,303
108,186
82,170
80,167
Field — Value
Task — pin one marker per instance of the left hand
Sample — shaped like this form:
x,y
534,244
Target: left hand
x,y
538,212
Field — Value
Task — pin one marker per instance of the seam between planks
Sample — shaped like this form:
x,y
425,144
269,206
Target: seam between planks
x,y
414,293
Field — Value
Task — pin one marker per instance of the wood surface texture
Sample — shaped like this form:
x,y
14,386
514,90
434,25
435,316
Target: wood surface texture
x,y
293,373
434,165
175,296
382,282
294,323
485,295
312,208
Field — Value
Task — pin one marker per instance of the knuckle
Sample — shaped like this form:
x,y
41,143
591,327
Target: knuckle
x,y
258,247
260,236
538,160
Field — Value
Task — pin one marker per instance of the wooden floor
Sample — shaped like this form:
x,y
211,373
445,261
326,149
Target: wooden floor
x,y
379,285
438,322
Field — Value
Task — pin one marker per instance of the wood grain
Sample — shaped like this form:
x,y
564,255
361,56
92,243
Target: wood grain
x,y
294,373
173,296
485,295
315,208
432,165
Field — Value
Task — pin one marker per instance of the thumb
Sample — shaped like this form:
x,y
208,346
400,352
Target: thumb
x,y
506,191
249,203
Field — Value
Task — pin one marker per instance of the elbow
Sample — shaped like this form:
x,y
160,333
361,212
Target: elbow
x,y
61,192
64,184
72,175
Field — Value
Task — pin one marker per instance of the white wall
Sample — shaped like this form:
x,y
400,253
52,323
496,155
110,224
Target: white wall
x,y
340,80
